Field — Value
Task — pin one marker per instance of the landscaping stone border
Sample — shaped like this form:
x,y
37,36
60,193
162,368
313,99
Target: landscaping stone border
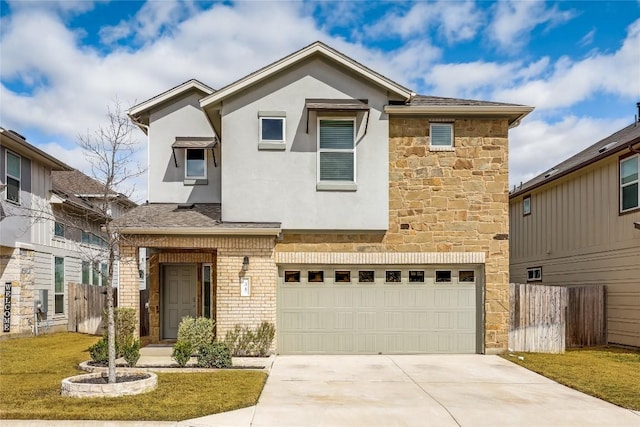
x,y
70,386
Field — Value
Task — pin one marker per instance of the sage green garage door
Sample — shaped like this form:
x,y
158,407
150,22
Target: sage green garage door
x,y
371,310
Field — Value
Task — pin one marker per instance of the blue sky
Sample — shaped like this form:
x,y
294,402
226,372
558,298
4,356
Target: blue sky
x,y
63,62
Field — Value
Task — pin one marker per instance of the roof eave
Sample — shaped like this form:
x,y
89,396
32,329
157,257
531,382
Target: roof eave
x,y
137,110
216,97
23,147
258,231
515,113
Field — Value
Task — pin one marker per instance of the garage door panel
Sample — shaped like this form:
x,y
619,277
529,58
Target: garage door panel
x,y
370,318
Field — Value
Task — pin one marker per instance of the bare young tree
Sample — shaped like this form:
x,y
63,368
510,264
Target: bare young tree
x,y
110,150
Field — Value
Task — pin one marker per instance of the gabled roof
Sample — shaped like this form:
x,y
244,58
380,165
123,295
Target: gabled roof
x,y
317,48
609,146
17,143
437,105
76,185
139,113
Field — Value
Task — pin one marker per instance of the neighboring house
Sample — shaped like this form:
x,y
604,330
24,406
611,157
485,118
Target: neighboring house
x,y
321,196
579,224
49,233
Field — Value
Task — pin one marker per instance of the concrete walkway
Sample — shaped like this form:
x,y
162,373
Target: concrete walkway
x,y
427,390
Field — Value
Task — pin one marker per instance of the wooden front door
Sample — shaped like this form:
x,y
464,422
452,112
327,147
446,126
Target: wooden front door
x,y
178,297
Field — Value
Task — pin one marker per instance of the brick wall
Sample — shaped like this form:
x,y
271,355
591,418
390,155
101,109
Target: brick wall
x,y
442,201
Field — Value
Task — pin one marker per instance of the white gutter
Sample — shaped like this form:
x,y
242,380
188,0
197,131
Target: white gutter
x,y
467,110
258,231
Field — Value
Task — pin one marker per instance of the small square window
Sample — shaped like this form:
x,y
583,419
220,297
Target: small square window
x,y
534,274
292,277
443,276
58,229
466,276
366,276
272,129
416,276
393,276
526,205
343,276
441,135
315,276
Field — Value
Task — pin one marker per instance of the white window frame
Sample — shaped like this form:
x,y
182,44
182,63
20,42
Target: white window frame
x,y
284,130
434,147
186,170
62,227
526,205
627,184
336,185
55,291
532,276
8,175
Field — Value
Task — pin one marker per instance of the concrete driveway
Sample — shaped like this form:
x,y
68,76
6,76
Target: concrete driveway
x,y
426,390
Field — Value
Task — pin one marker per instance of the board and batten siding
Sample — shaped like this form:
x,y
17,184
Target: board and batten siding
x,y
575,233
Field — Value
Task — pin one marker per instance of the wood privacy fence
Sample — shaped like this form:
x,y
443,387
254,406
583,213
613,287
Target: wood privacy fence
x,y
86,304
548,319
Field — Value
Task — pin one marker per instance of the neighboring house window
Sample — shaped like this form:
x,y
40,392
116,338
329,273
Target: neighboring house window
x,y
86,273
96,274
104,272
629,188
58,274
336,150
13,177
86,237
196,165
58,229
441,136
526,205
534,274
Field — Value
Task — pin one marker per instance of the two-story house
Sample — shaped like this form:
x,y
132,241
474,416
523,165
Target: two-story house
x,y
319,195
50,235
579,224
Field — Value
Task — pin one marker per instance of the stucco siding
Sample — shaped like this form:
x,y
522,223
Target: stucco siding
x,y
182,118
265,185
574,232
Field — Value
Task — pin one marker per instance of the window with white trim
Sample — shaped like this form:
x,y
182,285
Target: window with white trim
x,y
58,274
629,188
336,150
526,206
58,229
13,177
195,163
441,136
272,129
534,274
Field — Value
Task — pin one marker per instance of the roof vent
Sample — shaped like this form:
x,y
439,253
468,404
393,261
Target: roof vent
x,y
186,206
606,147
551,172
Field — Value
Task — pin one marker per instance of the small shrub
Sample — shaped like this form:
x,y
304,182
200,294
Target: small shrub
x,y
182,353
214,355
125,326
263,338
244,341
131,353
197,332
100,352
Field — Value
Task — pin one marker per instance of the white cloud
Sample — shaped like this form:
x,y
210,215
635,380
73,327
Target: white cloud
x,y
455,21
513,21
587,39
66,7
536,146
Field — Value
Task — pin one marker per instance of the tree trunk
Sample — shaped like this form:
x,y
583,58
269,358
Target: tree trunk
x,y
111,331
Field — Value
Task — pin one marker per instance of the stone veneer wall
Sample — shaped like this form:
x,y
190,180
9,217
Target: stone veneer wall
x,y
452,201
16,266
231,308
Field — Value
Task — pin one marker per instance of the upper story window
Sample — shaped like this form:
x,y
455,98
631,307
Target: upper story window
x,y
272,130
526,205
58,229
441,136
195,163
629,188
13,177
336,153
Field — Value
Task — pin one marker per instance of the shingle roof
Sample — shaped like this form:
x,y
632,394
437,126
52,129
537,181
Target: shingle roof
x,y
75,182
174,216
608,146
424,100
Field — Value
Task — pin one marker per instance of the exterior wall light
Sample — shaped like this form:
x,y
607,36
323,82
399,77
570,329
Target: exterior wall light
x,y
245,264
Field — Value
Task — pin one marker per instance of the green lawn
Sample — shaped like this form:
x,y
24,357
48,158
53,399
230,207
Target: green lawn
x,y
609,373
31,370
